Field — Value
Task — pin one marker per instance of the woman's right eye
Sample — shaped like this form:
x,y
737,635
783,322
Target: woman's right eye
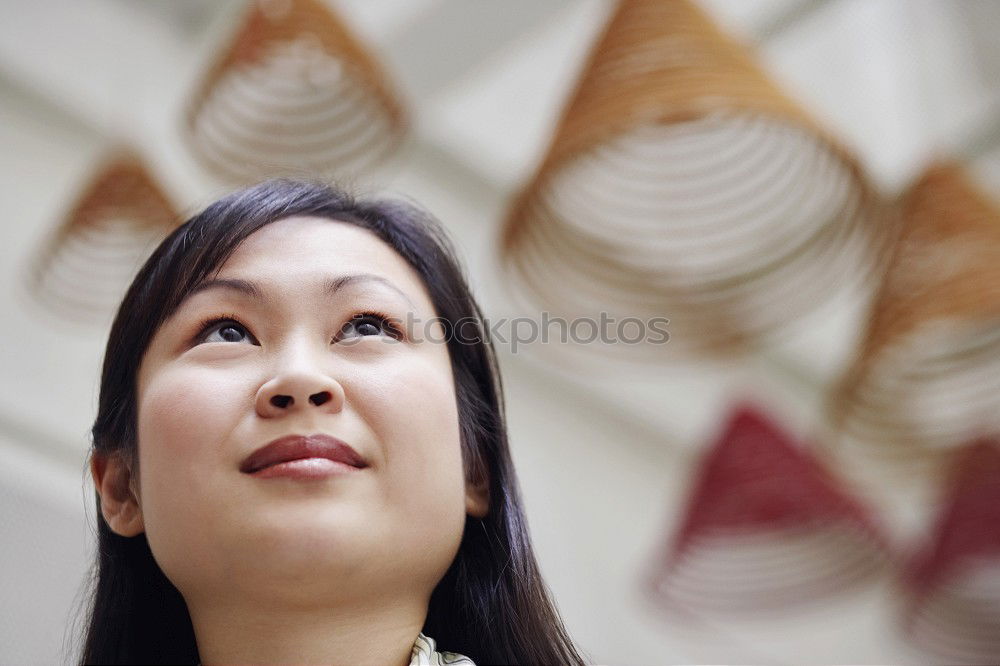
x,y
225,330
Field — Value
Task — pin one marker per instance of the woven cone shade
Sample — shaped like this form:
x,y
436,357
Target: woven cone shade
x,y
682,183
954,600
82,271
927,377
766,528
294,94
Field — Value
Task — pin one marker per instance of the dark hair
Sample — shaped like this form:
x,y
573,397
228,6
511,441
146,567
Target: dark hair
x,y
490,605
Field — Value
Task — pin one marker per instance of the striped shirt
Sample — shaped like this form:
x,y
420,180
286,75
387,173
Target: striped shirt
x,y
425,653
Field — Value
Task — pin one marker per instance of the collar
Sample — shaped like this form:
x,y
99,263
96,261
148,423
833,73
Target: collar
x,y
425,653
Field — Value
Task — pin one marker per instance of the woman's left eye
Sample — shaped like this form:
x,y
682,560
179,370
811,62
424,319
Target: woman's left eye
x,y
365,324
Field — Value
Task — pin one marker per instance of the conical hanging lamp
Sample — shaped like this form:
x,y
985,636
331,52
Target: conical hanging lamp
x,y
120,215
766,528
294,94
927,377
682,183
953,594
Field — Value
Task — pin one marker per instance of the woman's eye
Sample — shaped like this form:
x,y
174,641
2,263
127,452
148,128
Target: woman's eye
x,y
226,331
368,324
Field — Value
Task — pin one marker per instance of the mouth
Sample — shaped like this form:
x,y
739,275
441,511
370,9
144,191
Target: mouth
x,y
301,447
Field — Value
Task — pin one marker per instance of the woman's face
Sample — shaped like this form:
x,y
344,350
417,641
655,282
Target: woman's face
x,y
209,396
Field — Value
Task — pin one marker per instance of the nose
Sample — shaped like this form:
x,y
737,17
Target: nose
x,y
299,387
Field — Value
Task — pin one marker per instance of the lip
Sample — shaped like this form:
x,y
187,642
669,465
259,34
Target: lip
x,y
300,448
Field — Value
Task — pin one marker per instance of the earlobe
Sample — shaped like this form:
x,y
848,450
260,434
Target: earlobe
x,y
477,496
119,504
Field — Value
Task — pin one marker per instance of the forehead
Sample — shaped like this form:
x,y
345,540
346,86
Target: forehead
x,y
315,248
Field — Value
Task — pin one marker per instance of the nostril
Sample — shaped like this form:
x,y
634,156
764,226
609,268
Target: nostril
x,y
282,401
319,398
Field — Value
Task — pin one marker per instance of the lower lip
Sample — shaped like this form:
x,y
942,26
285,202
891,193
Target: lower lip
x,y
306,468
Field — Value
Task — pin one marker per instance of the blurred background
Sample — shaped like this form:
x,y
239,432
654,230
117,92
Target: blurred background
x,y
808,469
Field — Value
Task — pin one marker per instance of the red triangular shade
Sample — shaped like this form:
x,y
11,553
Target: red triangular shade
x,y
756,477
765,527
954,580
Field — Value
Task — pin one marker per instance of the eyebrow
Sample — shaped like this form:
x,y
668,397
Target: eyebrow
x,y
333,285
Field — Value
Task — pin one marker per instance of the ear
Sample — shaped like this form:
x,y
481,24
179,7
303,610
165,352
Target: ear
x,y
119,504
477,494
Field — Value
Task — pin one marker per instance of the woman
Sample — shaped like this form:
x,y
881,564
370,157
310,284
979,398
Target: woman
x,y
300,452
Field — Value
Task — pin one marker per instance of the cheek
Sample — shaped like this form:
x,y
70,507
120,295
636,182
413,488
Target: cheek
x,y
179,408
184,417
417,421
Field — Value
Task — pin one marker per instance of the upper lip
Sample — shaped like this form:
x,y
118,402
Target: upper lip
x,y
296,447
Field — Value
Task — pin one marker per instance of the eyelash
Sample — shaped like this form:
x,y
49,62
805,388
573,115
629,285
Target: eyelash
x,y
208,324
384,320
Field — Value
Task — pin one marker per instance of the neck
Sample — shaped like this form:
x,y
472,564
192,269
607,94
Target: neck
x,y
261,633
